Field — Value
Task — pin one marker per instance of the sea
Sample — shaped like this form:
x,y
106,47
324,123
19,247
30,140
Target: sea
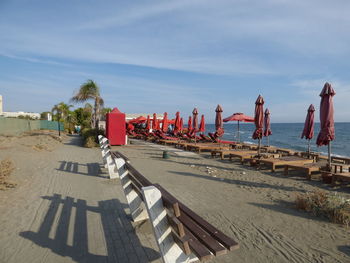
x,y
287,135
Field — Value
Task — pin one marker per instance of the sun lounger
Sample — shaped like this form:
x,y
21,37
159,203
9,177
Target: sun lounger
x,y
269,149
169,142
282,161
308,168
341,173
241,154
285,151
199,147
338,159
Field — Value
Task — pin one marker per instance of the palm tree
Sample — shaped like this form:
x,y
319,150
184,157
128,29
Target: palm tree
x,y
62,111
90,91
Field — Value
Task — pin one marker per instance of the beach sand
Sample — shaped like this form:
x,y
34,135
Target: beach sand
x,y
65,209
256,208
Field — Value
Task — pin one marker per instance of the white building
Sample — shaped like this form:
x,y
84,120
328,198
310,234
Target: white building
x,y
17,113
130,116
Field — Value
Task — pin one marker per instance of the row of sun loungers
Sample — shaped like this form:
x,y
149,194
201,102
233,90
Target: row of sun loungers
x,y
270,156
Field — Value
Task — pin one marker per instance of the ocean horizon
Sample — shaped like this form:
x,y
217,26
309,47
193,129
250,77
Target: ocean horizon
x,y
288,135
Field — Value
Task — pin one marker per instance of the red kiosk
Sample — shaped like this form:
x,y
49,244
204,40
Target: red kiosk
x,y
115,127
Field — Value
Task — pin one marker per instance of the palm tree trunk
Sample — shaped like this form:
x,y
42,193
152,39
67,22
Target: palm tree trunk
x,y
96,115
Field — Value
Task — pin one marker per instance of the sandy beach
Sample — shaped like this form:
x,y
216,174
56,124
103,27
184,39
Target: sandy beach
x,y
256,208
65,209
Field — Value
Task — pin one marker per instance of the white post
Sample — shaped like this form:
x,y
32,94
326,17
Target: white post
x,y
111,165
137,207
104,145
168,249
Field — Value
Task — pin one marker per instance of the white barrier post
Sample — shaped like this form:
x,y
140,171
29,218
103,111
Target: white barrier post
x,y
168,248
137,207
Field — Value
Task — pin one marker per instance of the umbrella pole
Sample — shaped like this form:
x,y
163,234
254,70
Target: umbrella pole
x,y
329,156
268,141
259,147
309,147
238,133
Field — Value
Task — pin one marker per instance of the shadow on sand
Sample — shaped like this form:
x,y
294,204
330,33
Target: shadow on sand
x,y
93,169
121,241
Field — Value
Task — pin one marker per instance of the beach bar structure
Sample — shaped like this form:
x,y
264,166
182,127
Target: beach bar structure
x,y
115,127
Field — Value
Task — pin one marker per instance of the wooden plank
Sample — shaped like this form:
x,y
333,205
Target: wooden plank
x,y
183,243
169,201
198,248
120,155
143,180
177,225
226,241
168,248
212,244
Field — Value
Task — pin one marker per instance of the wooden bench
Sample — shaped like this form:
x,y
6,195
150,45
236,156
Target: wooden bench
x,y
181,234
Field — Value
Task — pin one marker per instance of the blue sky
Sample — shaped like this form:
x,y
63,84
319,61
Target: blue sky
x,y
156,56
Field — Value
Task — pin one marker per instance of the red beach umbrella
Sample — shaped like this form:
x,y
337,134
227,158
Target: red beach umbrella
x,y
154,122
267,126
195,119
181,124
239,116
202,124
327,133
177,123
148,123
165,122
308,131
189,124
259,120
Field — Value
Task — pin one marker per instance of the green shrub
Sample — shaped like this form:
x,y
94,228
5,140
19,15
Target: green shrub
x,y
90,136
332,206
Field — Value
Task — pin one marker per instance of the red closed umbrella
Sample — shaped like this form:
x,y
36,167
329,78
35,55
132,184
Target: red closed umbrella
x,y
267,126
202,124
259,120
165,122
218,118
239,117
177,123
327,133
154,122
189,124
308,131
181,124
195,119
148,123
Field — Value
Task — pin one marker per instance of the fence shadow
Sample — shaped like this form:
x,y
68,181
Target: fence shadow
x,y
93,169
121,241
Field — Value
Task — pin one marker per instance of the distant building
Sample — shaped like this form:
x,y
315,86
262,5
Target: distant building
x,y
130,116
17,113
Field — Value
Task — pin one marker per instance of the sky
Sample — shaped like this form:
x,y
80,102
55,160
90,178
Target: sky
x,y
160,55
